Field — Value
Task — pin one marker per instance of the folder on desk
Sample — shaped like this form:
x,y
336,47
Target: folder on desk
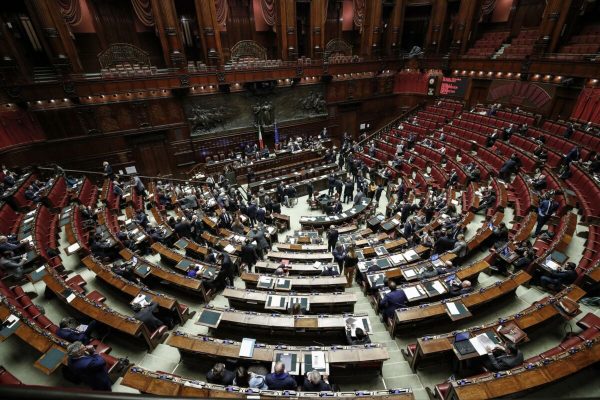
x,y
38,274
51,359
142,270
247,347
376,280
265,282
283,284
181,243
275,302
9,326
73,248
209,318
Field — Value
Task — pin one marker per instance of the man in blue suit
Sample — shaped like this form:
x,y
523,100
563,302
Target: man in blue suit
x,y
392,301
88,366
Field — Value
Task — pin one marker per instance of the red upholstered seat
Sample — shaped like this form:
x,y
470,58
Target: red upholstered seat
x,y
573,341
411,348
590,320
6,378
442,390
96,296
552,352
590,333
101,348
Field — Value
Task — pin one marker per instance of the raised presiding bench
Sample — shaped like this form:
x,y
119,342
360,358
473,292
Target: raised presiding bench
x,y
269,267
458,307
163,384
273,327
194,346
295,283
313,303
324,222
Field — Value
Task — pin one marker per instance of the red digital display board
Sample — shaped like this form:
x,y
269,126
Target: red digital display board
x,y
455,87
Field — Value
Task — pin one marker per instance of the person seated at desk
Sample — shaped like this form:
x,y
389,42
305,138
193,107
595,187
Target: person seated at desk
x,y
430,272
336,207
460,246
192,271
67,329
142,219
248,379
32,194
314,383
12,244
297,309
360,337
155,233
100,247
279,379
502,358
488,199
458,288
220,376
126,271
147,315
562,276
539,182
392,301
88,366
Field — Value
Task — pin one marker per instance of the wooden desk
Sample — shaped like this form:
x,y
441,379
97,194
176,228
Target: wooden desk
x,y
319,303
303,283
171,385
269,267
325,221
522,378
300,257
342,357
177,280
273,327
406,318
132,289
99,312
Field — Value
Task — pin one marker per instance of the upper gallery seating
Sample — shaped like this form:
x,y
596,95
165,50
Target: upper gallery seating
x,y
487,45
521,46
581,45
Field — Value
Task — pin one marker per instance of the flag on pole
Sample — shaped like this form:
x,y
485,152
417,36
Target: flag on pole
x,y
276,134
260,139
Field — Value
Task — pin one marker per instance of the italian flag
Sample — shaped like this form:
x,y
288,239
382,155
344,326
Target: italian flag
x,y
260,139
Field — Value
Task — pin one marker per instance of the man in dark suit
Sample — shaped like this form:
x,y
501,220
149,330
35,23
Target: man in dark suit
x,y
562,276
88,366
279,379
332,238
251,212
68,330
392,301
249,255
183,228
502,358
108,171
147,315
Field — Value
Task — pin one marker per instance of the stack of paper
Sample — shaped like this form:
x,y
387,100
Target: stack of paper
x,y
481,343
229,249
318,360
412,292
437,285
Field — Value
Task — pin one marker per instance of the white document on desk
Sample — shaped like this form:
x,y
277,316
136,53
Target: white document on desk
x,y
409,273
247,348
481,342
411,292
397,258
452,308
437,285
552,265
318,360
230,249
